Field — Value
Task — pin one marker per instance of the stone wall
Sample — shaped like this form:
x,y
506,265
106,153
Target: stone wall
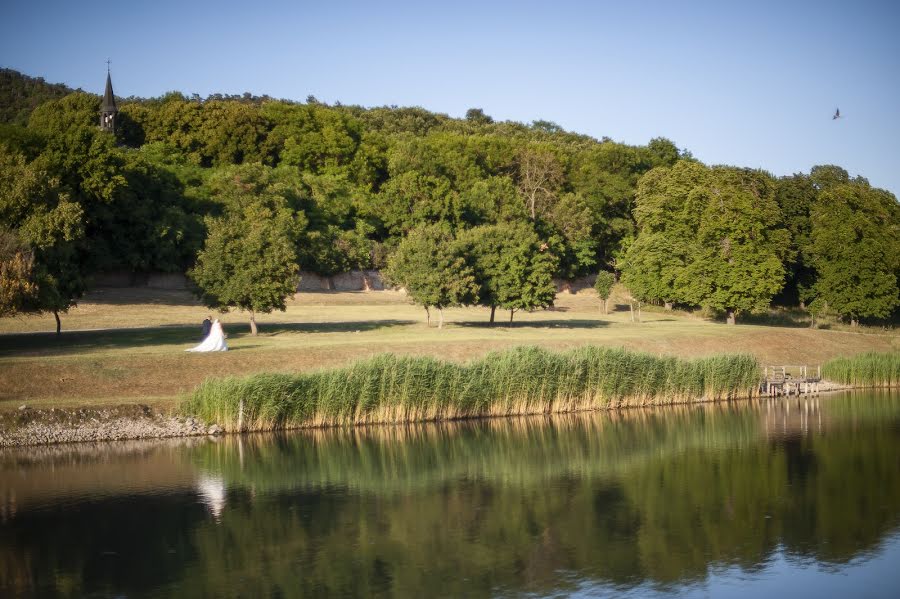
x,y
355,280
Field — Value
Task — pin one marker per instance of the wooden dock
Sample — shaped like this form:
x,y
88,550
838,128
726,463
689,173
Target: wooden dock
x,y
790,380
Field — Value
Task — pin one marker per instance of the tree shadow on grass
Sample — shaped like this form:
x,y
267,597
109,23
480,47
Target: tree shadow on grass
x,y
536,324
277,328
187,336
791,319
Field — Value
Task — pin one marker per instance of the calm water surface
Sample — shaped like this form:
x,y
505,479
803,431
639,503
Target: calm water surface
x,y
782,498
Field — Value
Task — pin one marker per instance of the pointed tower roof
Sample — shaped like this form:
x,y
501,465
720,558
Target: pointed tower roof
x,y
109,101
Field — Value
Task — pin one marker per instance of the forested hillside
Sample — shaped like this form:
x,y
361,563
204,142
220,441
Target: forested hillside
x,y
344,186
21,94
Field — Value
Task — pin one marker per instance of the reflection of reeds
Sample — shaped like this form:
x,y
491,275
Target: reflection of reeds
x,y
527,380
871,369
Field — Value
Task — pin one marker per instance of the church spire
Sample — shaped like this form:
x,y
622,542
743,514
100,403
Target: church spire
x,y
108,110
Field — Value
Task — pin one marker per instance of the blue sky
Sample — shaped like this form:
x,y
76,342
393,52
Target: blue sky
x,y
742,83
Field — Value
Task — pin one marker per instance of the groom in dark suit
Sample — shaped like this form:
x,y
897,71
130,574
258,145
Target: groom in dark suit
x,y
205,327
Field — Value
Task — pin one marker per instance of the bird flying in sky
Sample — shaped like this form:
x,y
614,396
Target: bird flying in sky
x,y
837,114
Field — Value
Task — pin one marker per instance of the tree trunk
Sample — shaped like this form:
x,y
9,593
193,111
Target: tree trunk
x,y
58,323
493,310
511,312
441,319
427,317
668,305
606,306
253,329
631,309
729,317
854,322
639,311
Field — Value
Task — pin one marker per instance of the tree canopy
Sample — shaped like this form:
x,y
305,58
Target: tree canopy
x,y
710,237
249,260
148,198
431,268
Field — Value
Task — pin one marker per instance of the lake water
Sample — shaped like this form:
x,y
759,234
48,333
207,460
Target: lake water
x,y
796,497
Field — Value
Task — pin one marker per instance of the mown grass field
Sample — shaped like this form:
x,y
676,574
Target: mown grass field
x,y
127,345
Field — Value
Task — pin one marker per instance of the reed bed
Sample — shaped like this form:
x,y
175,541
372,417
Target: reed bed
x,y
870,369
524,380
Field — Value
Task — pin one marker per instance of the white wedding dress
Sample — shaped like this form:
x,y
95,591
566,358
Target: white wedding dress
x,y
215,341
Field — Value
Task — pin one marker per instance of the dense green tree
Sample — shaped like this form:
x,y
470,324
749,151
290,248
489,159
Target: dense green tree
x,y
311,137
795,196
666,211
651,267
411,199
571,218
476,115
429,266
44,219
249,260
21,94
854,247
708,237
513,267
737,263
493,200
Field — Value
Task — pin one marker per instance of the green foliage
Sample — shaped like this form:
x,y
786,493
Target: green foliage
x,y
335,251
476,115
722,238
525,380
651,267
572,220
432,270
708,237
738,264
249,260
50,230
854,247
871,369
512,266
21,94
795,196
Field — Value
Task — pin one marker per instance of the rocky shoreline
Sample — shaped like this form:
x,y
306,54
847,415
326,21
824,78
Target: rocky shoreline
x,y
27,426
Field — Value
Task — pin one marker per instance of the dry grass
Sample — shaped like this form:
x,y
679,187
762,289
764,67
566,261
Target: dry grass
x,y
127,344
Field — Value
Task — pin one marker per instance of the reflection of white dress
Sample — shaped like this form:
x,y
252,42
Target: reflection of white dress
x,y
215,341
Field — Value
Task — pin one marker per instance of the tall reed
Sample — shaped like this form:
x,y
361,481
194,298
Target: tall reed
x,y
870,369
524,380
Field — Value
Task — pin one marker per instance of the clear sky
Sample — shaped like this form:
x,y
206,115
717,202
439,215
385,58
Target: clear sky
x,y
745,83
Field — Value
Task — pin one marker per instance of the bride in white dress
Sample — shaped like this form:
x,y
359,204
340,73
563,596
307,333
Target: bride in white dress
x,y
215,341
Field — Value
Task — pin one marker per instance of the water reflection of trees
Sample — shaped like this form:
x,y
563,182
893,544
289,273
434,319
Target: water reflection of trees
x,y
495,506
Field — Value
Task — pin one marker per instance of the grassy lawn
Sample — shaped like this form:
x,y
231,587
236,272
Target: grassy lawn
x,y
127,345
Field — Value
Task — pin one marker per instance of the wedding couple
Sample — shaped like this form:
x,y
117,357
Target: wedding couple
x,y
214,337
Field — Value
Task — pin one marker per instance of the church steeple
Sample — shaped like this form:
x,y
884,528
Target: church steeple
x,y
108,110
